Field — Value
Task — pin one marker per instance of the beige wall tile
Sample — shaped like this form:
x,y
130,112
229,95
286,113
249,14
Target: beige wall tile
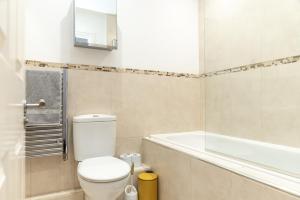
x,y
232,28
142,99
27,178
245,95
50,174
202,104
261,104
247,189
258,104
173,169
69,173
280,104
184,105
212,182
280,42
202,180
89,92
218,104
245,32
209,182
45,175
143,104
128,144
153,104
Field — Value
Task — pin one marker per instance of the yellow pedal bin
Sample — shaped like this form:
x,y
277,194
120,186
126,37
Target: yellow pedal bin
x,y
147,186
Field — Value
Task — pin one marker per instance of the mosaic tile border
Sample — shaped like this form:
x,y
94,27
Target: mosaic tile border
x,y
271,63
34,63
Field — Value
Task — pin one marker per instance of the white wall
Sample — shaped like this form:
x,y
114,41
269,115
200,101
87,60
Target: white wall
x,y
153,34
102,6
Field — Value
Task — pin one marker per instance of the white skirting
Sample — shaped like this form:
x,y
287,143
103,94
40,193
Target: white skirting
x,y
65,195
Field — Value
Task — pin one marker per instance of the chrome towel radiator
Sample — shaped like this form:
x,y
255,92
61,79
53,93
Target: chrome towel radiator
x,y
49,139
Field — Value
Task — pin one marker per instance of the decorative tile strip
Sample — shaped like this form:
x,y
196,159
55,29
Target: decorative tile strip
x,y
271,63
34,63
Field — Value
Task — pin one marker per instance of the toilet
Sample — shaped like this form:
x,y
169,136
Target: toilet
x,y
101,176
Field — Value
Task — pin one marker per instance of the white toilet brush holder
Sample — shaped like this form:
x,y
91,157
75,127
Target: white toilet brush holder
x,y
130,190
131,193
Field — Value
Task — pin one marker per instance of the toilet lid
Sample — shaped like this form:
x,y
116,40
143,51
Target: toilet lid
x,y
103,169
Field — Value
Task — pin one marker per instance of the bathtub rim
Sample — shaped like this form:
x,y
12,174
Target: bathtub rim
x,y
279,181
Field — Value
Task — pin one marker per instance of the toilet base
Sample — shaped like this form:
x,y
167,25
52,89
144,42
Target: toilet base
x,y
103,191
121,197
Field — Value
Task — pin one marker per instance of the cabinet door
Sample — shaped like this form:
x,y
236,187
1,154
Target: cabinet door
x,y
11,97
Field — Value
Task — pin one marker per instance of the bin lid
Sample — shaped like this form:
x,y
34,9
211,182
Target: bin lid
x,y
147,176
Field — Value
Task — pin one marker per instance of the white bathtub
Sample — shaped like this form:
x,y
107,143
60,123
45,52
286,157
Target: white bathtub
x,y
275,165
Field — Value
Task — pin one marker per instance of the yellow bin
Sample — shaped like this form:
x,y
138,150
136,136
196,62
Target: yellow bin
x,y
147,186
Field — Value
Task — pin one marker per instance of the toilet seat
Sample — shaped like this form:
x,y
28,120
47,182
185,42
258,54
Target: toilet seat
x,y
103,169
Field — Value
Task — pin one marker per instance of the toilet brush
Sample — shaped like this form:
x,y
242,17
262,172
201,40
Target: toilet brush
x,y
130,190
131,173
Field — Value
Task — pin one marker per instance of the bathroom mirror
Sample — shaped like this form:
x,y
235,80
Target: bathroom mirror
x,y
95,24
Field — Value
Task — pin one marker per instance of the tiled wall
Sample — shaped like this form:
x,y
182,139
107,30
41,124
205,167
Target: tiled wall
x,y
260,104
261,100
143,104
244,32
182,177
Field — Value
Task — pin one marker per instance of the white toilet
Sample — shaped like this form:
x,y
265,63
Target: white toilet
x,y
101,176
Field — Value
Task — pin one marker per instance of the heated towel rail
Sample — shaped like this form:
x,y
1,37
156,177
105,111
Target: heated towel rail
x,y
43,140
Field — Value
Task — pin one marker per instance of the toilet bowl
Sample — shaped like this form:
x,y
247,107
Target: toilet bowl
x,y
103,178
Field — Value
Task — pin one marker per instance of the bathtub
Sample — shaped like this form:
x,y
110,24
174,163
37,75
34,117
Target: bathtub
x,y
274,165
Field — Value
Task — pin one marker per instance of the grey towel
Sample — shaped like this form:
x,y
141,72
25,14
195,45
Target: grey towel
x,y
45,85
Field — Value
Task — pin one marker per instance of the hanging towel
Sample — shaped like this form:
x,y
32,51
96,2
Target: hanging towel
x,y
45,85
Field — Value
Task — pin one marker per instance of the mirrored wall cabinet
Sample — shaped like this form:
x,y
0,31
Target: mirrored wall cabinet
x,y
95,24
